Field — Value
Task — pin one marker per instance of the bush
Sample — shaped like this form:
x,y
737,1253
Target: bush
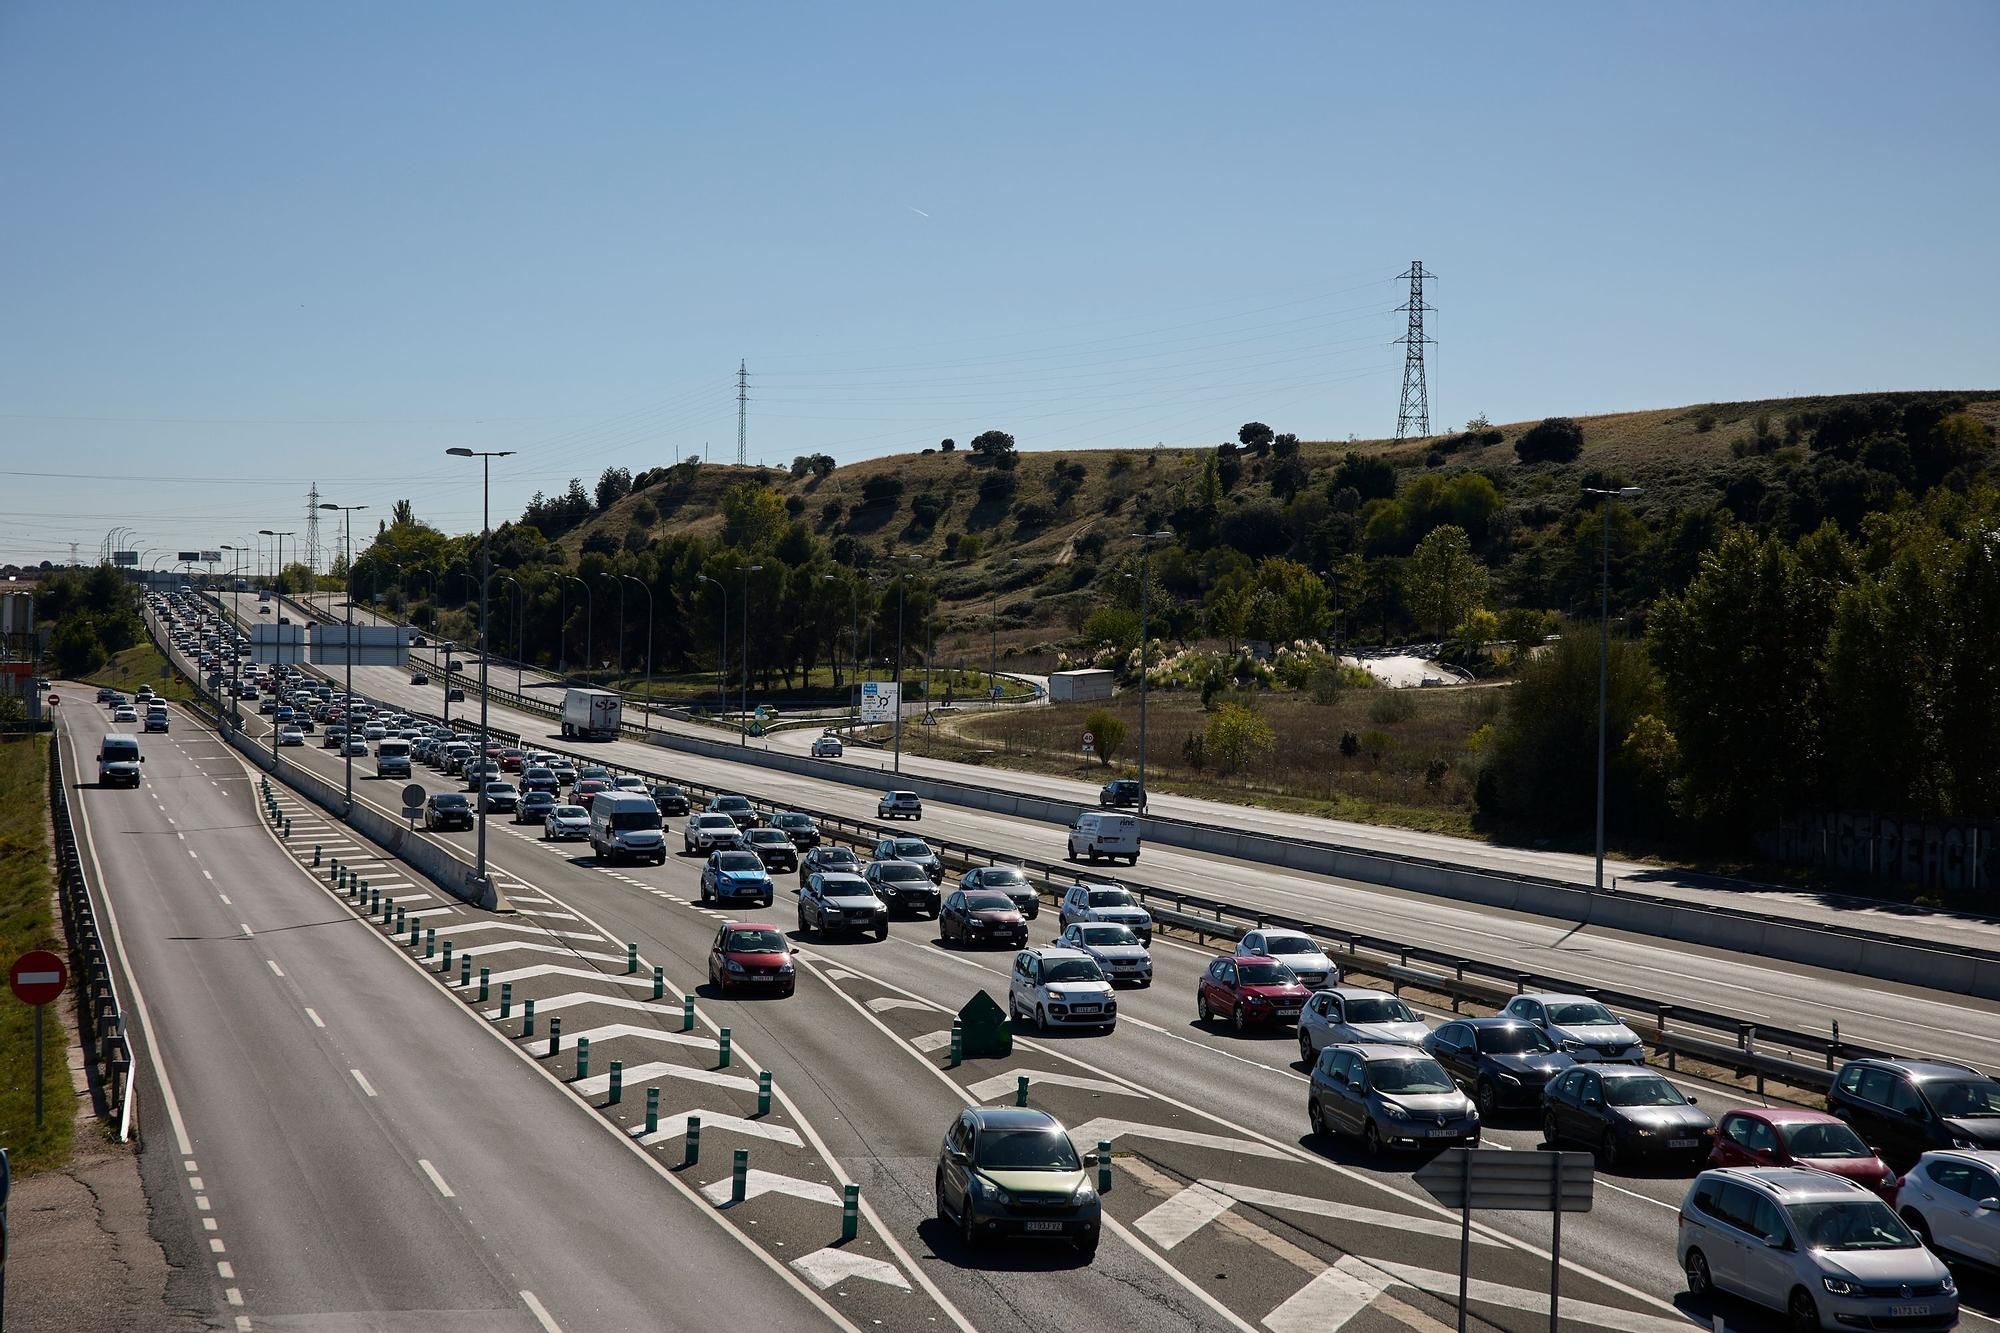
x,y
645,513
1376,745
1350,744
1107,733
883,488
1194,751
1391,707
1236,736
1113,625
997,487
1033,514
1556,440
1435,773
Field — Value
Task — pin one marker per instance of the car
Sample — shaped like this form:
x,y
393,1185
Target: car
x,y
587,788
1579,1025
304,722
283,715
1249,991
500,798
268,704
373,731
733,874
800,828
357,746
117,701
737,808
105,694
707,832
753,955
1084,901
333,738
1905,1108
981,916
831,902
454,695
1355,1016
626,782
566,823
899,805
904,887
1121,955
1008,880
1012,1171
291,736
1796,1136
534,806
913,851
1623,1113
510,760
564,770
445,810
1296,950
827,747
125,714
419,678
539,779
1822,1249
1123,792
1055,986
1099,836
1951,1199
1503,1062
773,847
670,799
1390,1097
157,718
626,825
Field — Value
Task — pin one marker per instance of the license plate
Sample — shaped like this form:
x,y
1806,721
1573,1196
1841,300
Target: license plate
x,y
1681,1143
1906,1311
1041,1226
1084,1008
1441,1133
761,980
1288,1013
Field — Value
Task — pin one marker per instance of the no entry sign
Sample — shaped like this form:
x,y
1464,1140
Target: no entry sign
x,y
37,977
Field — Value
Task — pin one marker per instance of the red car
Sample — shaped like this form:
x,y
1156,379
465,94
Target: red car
x,y
510,760
751,955
586,790
1248,990
1783,1136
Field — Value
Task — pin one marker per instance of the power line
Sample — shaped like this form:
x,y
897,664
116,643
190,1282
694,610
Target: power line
x,y
1415,411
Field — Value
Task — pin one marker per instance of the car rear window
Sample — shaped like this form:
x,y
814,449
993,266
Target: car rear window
x,y
738,861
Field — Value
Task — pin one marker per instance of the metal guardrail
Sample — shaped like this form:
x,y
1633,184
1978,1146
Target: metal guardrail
x,y
100,1012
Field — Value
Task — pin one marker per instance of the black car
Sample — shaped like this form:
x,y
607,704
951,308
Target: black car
x,y
830,859
799,828
1503,1062
1904,1108
773,848
671,800
1624,1112
1121,792
447,810
904,887
541,778
1007,880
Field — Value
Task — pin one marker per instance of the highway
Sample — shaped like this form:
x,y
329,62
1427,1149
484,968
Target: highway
x,y
1302,1223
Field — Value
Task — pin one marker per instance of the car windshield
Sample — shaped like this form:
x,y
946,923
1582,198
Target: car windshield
x,y
738,861
989,902
793,821
1265,974
1001,877
1109,935
1580,1013
1409,1076
445,798
1850,1224
1964,1097
538,798
912,847
595,772
1027,1150
841,856
902,872
499,789
714,821
1071,969
732,803
755,941
768,835
1110,898
1379,1009
1645,1090
569,812
1819,1142
635,819
1289,944
1514,1039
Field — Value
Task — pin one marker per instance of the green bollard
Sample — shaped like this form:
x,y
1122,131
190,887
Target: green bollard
x,y
631,959
764,1092
1104,1166
485,976
687,1013
430,941
692,1153
739,1175
850,1211
315,856
1021,1090
555,1035
957,1042
465,969
583,1057
506,999
333,871
416,932
652,1111
288,829
659,981
445,967
617,1081
723,1063
528,1019
402,918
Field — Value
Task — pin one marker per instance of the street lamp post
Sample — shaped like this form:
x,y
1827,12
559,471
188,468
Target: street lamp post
x,y
619,580
279,579
589,620
1604,659
902,576
485,458
1146,541
519,640
743,722
643,587
346,513
721,649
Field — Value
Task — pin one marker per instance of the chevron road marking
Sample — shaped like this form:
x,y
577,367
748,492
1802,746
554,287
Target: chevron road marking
x,y
1094,1130
550,970
757,1182
1004,1084
824,1268
638,1074
577,997
882,1004
672,1127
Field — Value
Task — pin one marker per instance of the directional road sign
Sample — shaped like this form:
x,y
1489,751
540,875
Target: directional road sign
x,y
37,977
1514,1181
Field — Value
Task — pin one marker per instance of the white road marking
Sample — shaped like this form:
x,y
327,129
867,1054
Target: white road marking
x,y
205,875
1445,1287
194,1183
1004,1084
1325,1304
215,1245
201,1202
757,1182
590,1087
574,998
208,1224
362,1079
825,1268
541,1315
233,1296
1092,1131
315,1018
672,1127
931,1041
1172,1221
276,971
436,1179
245,925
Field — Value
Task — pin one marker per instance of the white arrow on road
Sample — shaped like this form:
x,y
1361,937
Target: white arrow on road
x,y
672,1127
576,997
549,970
1092,1131
1004,1084
532,946
757,1182
824,1268
638,1074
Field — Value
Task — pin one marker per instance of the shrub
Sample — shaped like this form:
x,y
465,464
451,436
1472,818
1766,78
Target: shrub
x,y
1350,744
1107,733
1376,745
1435,772
881,489
1391,707
645,513
1237,735
1194,751
997,487
1033,514
1556,440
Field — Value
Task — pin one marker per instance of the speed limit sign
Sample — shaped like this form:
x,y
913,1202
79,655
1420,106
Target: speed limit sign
x,y
1089,741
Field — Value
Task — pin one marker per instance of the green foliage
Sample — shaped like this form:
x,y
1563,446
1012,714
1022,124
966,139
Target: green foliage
x,y
881,489
613,485
1555,440
752,515
1372,478
993,444
1236,736
1194,750
1113,625
1444,580
1107,734
1391,707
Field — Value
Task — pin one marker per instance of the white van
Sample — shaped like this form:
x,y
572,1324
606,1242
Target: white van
x,y
626,826
1103,835
392,757
118,760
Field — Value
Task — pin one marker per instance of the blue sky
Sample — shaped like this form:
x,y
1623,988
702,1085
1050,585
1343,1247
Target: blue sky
x,y
245,247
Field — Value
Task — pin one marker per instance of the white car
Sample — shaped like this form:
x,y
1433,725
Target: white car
x,y
828,747
899,805
1296,950
1951,1199
291,736
566,823
1117,950
710,832
356,745
1086,901
1579,1026
125,715
1354,1016
1057,987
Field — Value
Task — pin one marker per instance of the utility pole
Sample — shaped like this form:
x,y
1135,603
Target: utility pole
x,y
1414,416
312,529
742,412
1605,497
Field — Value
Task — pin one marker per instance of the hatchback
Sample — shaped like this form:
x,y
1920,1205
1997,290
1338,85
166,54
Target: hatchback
x,y
913,851
1623,1113
831,903
903,887
446,809
534,806
1249,991
1502,1062
566,823
1012,1171
1904,1108
773,847
800,828
1086,901
752,955
829,857
1296,950
732,875
1354,1015
1579,1025
981,917
1952,1201
1390,1097
1008,880
899,805
1117,950
1795,1136
1059,987
738,808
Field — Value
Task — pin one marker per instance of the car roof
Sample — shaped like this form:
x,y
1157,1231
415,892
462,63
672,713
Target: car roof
x,y
1785,1115
1379,1050
1493,1021
1610,1070
1556,997
840,878
1921,1070
765,829
1012,1117
1986,1157
1791,1183
1353,992
1053,952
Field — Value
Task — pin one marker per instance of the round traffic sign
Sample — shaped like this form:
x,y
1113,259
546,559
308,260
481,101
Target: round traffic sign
x,y
413,795
53,700
37,977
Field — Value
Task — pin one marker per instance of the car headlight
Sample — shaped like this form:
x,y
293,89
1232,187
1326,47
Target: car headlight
x,y
1394,1112
991,1190
732,965
1949,1287
1055,995
1839,1286
1569,1044
1510,1080
1958,1142
1084,1194
785,969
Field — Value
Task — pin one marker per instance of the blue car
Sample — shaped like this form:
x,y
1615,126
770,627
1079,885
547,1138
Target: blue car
x,y
735,876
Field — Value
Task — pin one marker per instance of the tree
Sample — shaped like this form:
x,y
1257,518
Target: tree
x,y
613,485
403,514
993,444
1443,580
1236,735
947,445
1255,436
1107,733
752,515
1556,440
1289,602
1370,478
75,645
1113,625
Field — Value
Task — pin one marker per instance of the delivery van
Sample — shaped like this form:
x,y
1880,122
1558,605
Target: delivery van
x,y
118,760
625,826
1101,835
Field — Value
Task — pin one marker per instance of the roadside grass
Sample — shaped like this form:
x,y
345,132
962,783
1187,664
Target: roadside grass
x,y
139,665
698,689
27,886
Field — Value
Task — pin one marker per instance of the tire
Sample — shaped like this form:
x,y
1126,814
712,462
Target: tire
x,y
1317,1119
1550,1136
937,1207
1202,1010
1700,1285
881,931
802,922
1041,1019
1305,1048
1236,1021
1087,1249
1371,1138
1607,1151
1485,1098
705,899
1801,1315
968,1234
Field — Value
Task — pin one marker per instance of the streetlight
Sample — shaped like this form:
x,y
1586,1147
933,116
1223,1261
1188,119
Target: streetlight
x,y
519,601
649,639
616,579
485,458
721,648
743,722
902,572
1146,541
1604,659
280,536
346,513
589,619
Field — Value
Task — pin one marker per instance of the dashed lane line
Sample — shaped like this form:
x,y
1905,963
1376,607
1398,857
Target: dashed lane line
x,y
362,1079
436,1179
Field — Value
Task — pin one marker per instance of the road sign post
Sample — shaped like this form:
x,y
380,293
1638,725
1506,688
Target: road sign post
x,y
36,979
1528,1182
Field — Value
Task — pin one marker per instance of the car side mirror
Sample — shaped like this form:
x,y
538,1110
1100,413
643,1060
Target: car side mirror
x,y
1778,1242
1593,1100
1989,1205
142,758
955,1155
1693,1100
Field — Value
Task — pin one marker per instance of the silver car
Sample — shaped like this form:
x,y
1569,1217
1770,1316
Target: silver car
x,y
1389,1097
1123,959
1296,950
1819,1247
1353,1014
710,832
1579,1025
1951,1199
566,823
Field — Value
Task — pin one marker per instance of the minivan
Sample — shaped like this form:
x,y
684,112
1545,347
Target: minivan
x,y
626,826
118,760
392,758
1100,835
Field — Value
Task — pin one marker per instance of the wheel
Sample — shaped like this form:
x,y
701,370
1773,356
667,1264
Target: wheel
x,y
1549,1134
1202,1010
881,930
1041,1019
1371,1138
1801,1315
1607,1152
802,922
1699,1284
1317,1119
937,1189
705,899
1485,1097
1305,1048
1236,1020
968,1234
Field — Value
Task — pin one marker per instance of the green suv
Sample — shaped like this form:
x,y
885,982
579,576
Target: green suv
x,y
1012,1171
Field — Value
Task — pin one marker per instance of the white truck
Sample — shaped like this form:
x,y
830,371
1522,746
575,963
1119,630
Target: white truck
x,y
591,715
